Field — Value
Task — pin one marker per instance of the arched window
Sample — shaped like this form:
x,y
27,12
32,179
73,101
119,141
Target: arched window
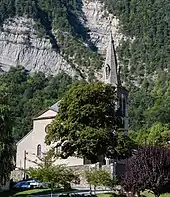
x,y
47,128
38,150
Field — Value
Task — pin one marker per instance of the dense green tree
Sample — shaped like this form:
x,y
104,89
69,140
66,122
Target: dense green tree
x,y
30,93
157,135
86,123
7,149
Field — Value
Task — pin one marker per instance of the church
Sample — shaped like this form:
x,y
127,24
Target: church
x,y
32,145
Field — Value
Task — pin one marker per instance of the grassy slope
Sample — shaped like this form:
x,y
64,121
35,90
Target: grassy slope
x,y
148,194
26,193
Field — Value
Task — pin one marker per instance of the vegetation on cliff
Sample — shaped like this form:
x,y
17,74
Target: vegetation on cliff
x,y
144,58
31,93
59,20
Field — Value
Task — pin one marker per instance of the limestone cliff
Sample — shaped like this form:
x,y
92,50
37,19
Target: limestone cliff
x,y
21,44
100,23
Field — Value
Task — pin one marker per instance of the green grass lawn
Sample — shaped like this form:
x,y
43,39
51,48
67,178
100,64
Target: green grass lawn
x,y
104,195
33,192
25,193
48,191
148,194
14,193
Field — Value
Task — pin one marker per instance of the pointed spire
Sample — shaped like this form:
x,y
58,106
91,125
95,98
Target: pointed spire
x,y
110,68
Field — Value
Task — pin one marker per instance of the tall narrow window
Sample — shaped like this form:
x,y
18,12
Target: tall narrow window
x,y
108,69
38,150
123,104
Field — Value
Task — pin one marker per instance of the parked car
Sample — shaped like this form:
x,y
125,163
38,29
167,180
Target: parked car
x,y
37,184
19,184
29,184
26,185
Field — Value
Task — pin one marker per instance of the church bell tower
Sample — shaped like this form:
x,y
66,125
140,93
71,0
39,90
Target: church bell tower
x,y
112,76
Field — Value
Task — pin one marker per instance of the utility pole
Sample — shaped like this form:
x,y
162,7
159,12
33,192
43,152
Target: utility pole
x,y
25,160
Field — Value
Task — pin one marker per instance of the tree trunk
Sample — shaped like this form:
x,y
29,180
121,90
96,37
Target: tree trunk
x,y
94,189
51,189
130,194
138,193
90,190
156,193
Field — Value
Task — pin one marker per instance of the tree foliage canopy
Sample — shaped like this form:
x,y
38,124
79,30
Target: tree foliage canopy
x,y
52,174
31,93
99,178
86,122
157,135
7,149
149,168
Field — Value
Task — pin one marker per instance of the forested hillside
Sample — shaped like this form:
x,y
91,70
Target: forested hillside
x,y
145,59
30,93
144,54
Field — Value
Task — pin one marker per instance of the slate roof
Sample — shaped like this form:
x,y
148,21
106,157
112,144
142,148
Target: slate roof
x,y
55,107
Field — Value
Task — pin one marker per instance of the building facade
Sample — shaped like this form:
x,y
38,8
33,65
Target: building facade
x,y
31,146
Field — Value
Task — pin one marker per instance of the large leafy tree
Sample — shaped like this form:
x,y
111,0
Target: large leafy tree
x,y
86,122
52,174
7,150
149,168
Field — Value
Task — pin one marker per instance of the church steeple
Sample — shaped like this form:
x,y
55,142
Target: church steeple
x,y
111,75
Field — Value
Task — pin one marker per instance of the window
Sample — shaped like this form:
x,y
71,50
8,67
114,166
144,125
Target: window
x,y
58,150
47,128
123,104
38,150
107,71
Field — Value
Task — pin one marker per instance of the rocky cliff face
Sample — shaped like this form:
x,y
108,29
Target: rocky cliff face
x,y
100,23
20,43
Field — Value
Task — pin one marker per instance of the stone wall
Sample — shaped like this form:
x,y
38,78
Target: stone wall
x,y
80,170
17,175
115,169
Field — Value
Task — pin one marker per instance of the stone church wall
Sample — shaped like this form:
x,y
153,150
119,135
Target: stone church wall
x,y
80,170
